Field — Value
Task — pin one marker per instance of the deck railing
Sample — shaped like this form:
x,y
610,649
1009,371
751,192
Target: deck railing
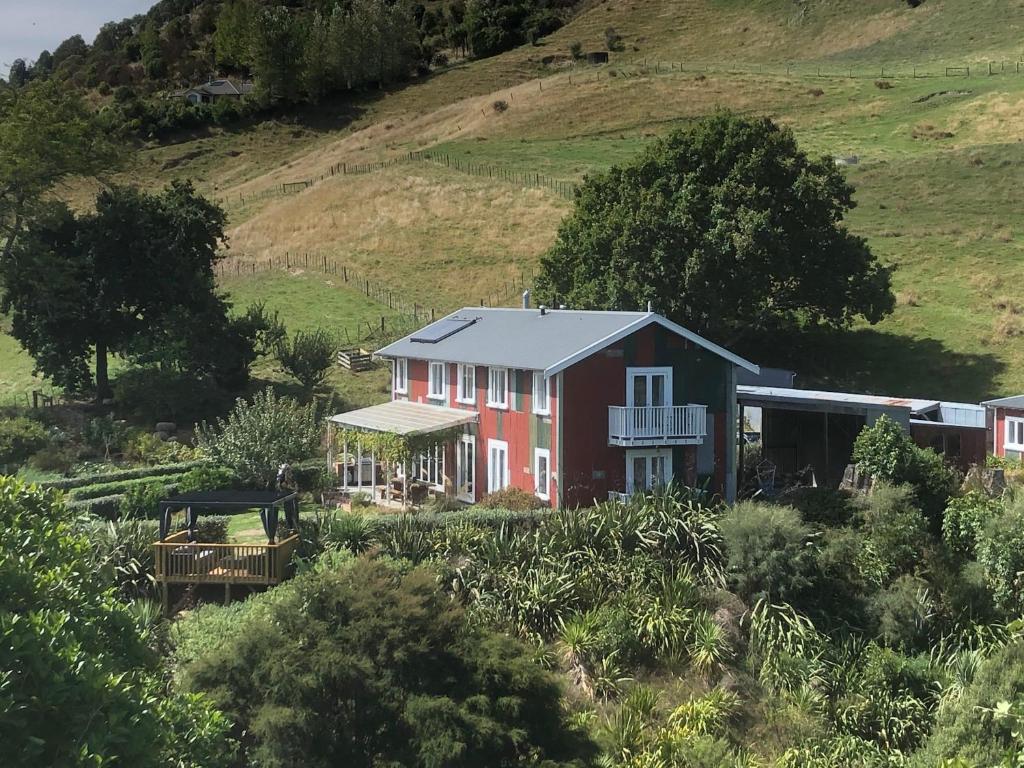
x,y
178,560
657,424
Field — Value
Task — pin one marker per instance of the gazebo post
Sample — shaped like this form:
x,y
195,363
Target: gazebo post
x,y
344,465
405,483
330,447
359,465
373,473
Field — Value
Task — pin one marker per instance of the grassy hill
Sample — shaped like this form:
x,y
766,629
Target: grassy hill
x,y
938,160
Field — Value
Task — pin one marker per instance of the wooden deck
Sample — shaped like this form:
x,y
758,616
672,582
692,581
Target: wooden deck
x,y
179,562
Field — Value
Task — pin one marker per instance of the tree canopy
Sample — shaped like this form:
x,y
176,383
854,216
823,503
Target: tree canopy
x,y
134,278
726,227
78,684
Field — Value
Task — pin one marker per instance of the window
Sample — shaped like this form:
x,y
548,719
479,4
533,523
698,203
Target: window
x,y
497,465
497,387
401,376
647,470
465,468
466,390
437,384
429,466
1014,433
541,395
542,473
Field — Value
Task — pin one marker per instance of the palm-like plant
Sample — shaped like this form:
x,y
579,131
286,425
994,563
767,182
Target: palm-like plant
x,y
709,648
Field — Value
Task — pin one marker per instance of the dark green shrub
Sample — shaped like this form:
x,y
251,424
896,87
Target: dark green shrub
x,y
388,673
213,529
903,613
207,478
888,454
962,731
1001,553
104,507
768,551
511,498
828,507
142,500
20,437
441,503
965,520
895,531
119,488
150,394
310,476
124,553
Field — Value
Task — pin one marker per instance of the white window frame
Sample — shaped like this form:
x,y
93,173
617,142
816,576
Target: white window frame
x,y
545,491
646,454
432,380
400,376
429,468
1013,424
648,373
492,481
466,452
491,401
461,393
541,384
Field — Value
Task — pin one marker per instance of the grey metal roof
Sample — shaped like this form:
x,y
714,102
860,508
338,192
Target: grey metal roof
x,y
405,418
1016,401
529,340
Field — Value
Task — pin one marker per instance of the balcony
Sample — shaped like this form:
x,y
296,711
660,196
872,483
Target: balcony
x,y
657,425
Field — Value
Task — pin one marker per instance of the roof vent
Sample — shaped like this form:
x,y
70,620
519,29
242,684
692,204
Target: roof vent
x,y
543,310
650,306
562,306
526,299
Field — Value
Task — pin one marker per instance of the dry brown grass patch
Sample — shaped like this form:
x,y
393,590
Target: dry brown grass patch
x,y
1008,326
908,299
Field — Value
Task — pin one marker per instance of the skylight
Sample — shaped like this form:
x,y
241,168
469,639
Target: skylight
x,y
442,329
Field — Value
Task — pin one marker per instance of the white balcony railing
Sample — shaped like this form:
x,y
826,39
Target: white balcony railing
x,y
657,425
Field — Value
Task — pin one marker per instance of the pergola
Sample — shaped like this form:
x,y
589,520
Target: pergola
x,y
268,502
391,432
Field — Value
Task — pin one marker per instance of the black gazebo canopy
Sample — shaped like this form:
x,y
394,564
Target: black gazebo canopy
x,y
268,502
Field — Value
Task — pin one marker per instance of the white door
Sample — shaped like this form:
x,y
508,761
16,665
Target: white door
x,y
647,470
497,465
648,390
465,468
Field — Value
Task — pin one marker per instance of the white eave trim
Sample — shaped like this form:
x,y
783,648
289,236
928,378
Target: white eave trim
x,y
639,324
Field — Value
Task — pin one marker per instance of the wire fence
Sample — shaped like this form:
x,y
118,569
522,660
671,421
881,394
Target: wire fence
x,y
404,314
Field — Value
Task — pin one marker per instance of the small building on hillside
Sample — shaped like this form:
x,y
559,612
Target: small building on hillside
x,y
803,429
571,406
214,90
1005,418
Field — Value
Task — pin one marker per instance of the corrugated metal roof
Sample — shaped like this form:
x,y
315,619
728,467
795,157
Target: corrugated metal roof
x,y
405,418
782,394
1007,402
529,340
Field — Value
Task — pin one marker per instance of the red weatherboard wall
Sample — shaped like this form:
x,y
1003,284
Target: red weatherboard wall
x,y
1000,427
512,426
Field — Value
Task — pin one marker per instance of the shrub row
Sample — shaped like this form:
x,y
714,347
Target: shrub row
x,y
479,516
108,507
119,487
124,474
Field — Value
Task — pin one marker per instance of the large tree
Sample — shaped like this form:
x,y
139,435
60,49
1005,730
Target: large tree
x,y
46,135
726,227
112,281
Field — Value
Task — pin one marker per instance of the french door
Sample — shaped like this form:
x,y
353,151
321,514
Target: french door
x,y
465,468
648,391
497,465
647,470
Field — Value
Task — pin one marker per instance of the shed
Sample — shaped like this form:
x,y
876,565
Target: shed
x,y
1005,421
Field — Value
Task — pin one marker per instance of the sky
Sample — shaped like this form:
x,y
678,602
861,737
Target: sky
x,y
30,26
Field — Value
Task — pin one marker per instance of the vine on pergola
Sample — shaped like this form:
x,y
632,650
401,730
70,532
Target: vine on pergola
x,y
390,447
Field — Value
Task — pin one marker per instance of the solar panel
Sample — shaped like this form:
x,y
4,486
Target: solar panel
x,y
441,329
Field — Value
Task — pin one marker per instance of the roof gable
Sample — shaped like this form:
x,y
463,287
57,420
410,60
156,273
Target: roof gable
x,y
529,339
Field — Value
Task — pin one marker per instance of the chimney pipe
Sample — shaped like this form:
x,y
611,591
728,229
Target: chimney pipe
x,y
526,299
650,306
543,310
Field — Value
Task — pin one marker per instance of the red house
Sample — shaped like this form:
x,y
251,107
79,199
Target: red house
x,y
1006,425
572,406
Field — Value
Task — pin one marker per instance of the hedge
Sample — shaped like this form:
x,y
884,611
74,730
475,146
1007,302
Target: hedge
x,y
135,473
119,487
108,507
